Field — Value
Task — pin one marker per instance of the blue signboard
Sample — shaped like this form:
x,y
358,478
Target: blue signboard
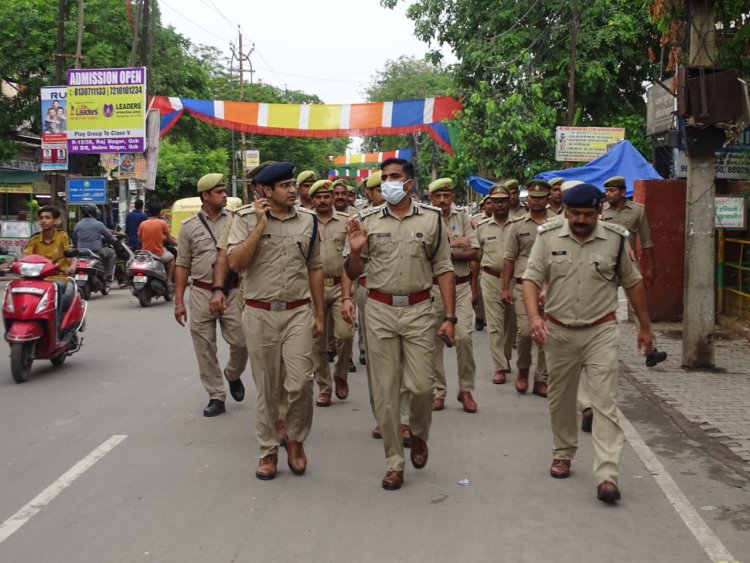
x,y
87,190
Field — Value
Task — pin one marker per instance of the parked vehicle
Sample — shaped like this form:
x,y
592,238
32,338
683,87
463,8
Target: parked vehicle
x,y
90,274
42,320
148,277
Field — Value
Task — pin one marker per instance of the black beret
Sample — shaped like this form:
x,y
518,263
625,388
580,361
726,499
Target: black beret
x,y
583,195
276,172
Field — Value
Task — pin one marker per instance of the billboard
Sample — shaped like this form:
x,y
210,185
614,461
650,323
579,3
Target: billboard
x,y
106,110
584,144
54,128
86,190
732,163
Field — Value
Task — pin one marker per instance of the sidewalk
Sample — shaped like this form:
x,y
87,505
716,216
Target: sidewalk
x,y
718,402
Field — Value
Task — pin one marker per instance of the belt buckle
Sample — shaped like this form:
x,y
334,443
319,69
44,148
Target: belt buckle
x,y
399,300
277,306
328,282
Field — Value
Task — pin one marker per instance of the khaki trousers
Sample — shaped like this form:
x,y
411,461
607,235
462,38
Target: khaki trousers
x,y
280,346
360,298
589,354
464,344
203,333
500,320
342,333
479,307
523,339
400,348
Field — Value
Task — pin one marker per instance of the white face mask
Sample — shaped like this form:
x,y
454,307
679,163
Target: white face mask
x,y
393,192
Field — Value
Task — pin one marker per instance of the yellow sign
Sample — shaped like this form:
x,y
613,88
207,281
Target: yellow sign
x,y
252,159
584,144
16,188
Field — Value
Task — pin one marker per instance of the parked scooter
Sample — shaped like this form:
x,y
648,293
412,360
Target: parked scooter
x,y
90,274
30,315
148,278
6,260
123,255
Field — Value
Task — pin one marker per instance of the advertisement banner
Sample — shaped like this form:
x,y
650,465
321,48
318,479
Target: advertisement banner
x,y
106,110
54,128
584,144
732,163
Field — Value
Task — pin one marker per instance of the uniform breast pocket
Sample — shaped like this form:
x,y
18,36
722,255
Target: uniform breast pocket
x,y
268,249
420,245
302,245
560,265
340,243
603,266
382,245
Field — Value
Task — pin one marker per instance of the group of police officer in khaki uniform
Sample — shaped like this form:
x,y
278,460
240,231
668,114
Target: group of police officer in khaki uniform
x,y
295,265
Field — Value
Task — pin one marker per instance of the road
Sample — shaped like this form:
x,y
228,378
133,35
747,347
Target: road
x,y
165,484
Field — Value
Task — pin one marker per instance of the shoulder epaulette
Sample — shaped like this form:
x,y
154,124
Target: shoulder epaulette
x,y
245,209
341,214
484,221
517,218
636,204
548,226
619,229
371,211
187,220
305,210
428,206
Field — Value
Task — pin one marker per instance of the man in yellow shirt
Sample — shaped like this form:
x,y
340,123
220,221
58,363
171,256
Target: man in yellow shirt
x,y
52,243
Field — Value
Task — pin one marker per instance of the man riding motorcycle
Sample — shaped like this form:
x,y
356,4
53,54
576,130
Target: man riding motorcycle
x,y
90,233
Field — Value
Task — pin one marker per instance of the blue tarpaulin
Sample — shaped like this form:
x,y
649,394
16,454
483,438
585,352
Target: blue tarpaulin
x,y
621,160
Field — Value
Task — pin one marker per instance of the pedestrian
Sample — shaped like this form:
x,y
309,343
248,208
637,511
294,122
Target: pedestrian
x,y
517,208
517,250
581,261
90,233
196,259
305,180
492,234
405,246
555,196
152,233
464,246
332,227
132,222
274,246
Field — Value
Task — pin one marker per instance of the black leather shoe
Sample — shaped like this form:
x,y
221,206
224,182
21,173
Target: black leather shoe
x,y
331,356
362,359
237,390
214,408
479,324
350,367
655,357
587,419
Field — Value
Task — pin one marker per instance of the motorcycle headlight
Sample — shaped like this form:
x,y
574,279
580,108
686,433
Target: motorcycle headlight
x,y
31,270
8,300
42,305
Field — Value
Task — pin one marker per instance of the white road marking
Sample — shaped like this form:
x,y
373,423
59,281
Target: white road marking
x,y
708,540
26,513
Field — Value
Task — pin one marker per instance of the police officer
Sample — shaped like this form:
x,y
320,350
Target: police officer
x,y
517,209
492,234
341,191
555,196
520,240
464,245
332,228
276,247
582,261
197,242
305,180
485,211
406,246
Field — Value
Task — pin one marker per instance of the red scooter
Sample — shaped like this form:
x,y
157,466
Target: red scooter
x,y
30,314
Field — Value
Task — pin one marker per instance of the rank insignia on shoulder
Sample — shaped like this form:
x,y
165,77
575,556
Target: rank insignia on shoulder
x,y
619,229
548,226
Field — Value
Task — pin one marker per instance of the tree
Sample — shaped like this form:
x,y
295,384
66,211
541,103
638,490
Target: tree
x,y
512,77
181,166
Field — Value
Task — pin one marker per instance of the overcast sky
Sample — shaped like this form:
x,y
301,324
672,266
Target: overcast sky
x,y
331,48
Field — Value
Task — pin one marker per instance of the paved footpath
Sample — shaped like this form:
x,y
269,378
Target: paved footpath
x,y
718,401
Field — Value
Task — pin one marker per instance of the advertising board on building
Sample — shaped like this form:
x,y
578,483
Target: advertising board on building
x,y
54,128
732,163
86,190
730,213
584,144
106,110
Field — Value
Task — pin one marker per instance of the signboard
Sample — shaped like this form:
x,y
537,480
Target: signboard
x,y
251,160
106,110
731,164
86,190
730,213
661,106
16,188
584,144
54,128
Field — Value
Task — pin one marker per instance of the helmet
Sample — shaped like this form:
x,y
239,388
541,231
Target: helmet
x,y
89,211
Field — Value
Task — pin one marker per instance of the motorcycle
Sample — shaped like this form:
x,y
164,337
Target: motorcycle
x,y
32,327
148,277
90,275
123,254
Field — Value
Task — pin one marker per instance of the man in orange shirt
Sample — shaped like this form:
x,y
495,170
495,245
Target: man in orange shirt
x,y
152,233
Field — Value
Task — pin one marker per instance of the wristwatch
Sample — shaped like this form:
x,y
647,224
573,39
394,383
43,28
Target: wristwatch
x,y
453,320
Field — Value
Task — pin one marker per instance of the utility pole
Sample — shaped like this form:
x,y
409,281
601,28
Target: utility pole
x,y
242,57
699,300
60,44
79,42
572,66
145,15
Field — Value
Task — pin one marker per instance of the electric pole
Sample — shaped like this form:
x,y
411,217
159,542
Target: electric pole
x,y
79,41
60,44
699,299
572,66
145,15
242,57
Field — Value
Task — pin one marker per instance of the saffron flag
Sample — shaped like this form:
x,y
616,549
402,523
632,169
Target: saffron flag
x,y
318,120
371,158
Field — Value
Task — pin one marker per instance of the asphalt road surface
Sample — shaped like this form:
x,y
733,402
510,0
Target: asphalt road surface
x,y
108,458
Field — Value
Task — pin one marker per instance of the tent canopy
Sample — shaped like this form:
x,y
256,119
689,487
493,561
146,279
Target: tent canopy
x,y
621,160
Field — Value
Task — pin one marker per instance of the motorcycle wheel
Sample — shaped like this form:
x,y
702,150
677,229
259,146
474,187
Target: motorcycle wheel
x,y
105,288
21,358
85,292
144,297
59,360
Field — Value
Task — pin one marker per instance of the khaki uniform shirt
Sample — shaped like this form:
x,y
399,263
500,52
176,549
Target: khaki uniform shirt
x,y
518,213
633,217
332,242
492,240
577,292
520,240
459,225
197,247
286,251
403,255
552,211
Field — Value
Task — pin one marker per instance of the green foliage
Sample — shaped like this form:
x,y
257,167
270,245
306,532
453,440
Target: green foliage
x,y
181,166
